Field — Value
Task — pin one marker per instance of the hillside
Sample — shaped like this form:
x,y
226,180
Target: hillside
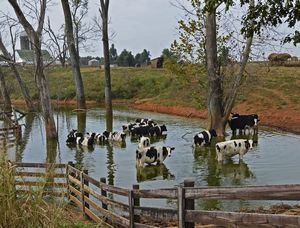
x,y
272,92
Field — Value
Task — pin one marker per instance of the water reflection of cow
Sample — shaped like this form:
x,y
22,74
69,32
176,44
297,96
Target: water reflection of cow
x,y
254,137
153,172
236,172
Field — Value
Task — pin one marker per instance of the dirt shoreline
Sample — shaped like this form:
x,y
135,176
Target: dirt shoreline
x,y
287,119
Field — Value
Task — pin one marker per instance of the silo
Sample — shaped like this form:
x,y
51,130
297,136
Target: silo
x,y
24,41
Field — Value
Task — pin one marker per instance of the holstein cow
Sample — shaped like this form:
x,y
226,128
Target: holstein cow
x,y
115,136
157,130
144,142
204,138
233,147
241,122
87,140
153,154
72,136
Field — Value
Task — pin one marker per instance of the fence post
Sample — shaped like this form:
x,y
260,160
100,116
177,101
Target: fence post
x,y
103,192
86,182
68,182
181,206
189,204
136,203
82,193
131,208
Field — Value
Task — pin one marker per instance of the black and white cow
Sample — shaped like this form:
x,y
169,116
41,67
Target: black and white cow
x,y
233,147
100,138
153,154
87,140
204,138
157,130
241,122
141,131
72,136
115,136
144,142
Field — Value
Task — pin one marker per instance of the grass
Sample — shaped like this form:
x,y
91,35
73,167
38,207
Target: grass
x,y
31,209
183,85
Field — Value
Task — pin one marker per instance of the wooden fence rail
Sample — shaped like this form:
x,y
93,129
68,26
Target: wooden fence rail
x,y
121,207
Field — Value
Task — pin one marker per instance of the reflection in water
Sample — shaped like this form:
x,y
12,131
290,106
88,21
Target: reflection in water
x,y
254,137
110,165
153,172
153,139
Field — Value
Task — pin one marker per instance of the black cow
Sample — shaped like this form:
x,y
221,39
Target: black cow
x,y
241,122
141,131
204,138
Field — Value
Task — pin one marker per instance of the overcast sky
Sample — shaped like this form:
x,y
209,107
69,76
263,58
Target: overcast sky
x,y
138,25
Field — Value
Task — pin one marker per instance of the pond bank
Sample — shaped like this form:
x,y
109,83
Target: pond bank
x,y
286,119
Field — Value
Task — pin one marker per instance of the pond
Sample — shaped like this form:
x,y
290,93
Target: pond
x,y
275,159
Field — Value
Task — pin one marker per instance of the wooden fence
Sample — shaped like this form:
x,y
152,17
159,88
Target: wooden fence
x,y
102,202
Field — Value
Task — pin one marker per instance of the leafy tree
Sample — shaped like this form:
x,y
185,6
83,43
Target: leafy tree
x,y
168,54
200,41
113,54
145,56
126,59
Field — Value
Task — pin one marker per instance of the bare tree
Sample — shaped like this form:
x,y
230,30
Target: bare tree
x,y
23,87
56,43
73,55
35,37
104,4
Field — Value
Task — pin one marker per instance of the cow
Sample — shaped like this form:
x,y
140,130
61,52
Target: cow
x,y
153,154
141,131
144,142
204,138
115,136
233,147
71,138
87,140
242,122
157,130
100,138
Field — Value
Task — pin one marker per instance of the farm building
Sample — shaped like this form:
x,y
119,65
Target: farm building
x,y
157,62
27,56
93,62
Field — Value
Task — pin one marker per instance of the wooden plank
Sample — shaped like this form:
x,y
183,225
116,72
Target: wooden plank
x,y
92,216
90,179
73,170
75,191
37,183
108,214
170,193
76,201
52,193
105,200
38,174
131,209
113,189
39,165
181,207
165,214
271,192
74,180
224,218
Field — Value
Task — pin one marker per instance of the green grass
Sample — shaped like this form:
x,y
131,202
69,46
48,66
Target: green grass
x,y
183,85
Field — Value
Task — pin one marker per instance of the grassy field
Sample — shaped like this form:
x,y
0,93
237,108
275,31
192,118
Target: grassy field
x,y
264,86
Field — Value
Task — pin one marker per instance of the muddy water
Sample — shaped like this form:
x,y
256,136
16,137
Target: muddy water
x,y
275,160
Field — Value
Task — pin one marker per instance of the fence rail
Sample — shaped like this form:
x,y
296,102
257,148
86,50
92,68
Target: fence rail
x,y
97,199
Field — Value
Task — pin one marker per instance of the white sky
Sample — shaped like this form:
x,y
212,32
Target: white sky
x,y
138,24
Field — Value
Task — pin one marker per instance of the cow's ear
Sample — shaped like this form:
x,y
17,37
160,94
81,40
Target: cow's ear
x,y
172,148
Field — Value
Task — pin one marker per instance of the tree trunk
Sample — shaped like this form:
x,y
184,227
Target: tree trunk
x,y
108,95
4,93
42,84
23,87
73,55
215,92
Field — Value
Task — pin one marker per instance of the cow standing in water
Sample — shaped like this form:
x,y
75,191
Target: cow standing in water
x,y
204,138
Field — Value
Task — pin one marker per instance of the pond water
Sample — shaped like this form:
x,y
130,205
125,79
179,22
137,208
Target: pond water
x,y
275,159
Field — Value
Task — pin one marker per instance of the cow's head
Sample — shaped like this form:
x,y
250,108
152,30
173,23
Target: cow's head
x,y
106,134
249,144
163,128
123,135
167,151
145,141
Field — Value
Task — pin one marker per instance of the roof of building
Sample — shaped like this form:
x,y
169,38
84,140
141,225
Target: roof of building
x,y
28,55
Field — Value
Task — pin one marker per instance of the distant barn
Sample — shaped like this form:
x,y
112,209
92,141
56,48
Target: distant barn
x,y
157,62
93,62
